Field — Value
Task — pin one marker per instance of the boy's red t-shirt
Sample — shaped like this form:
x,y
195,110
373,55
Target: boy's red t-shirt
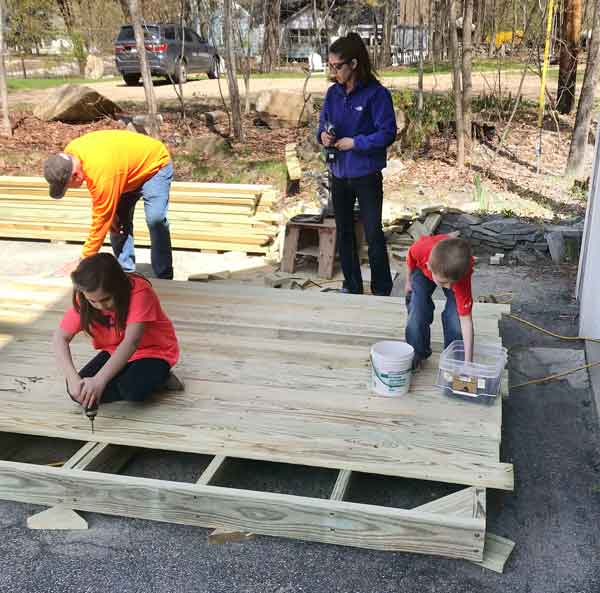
x,y
158,340
418,256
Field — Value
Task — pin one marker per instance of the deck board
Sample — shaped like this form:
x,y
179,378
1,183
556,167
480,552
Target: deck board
x,y
270,374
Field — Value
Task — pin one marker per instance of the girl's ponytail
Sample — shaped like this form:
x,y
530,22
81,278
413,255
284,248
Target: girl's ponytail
x,y
352,47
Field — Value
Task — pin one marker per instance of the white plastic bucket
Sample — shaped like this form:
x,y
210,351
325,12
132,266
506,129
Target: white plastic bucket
x,y
391,367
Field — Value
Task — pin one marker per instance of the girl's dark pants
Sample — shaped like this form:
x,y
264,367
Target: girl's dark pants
x,y
369,192
136,381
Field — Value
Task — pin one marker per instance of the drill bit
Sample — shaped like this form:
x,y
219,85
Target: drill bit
x,y
91,412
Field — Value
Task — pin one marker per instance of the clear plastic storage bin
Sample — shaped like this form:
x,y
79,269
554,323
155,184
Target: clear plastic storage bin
x,y
475,380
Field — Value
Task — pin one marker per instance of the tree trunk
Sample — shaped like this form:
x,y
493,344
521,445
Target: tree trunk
x,y
467,67
438,26
270,57
195,16
74,35
421,64
386,43
456,82
125,9
5,127
136,20
234,92
576,161
478,11
567,74
493,30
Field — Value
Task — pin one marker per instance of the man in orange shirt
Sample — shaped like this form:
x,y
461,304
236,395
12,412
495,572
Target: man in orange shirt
x,y
119,168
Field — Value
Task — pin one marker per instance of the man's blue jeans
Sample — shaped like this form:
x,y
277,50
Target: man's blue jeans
x,y
155,192
420,315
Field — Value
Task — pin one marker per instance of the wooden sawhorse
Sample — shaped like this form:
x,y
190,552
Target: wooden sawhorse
x,y
326,249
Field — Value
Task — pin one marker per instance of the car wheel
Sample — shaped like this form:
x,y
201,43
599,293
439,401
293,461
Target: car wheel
x,y
214,70
180,76
131,79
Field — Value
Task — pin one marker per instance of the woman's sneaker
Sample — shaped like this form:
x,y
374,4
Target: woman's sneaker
x,y
173,383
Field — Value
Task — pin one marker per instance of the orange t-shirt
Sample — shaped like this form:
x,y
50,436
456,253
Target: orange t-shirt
x,y
418,256
158,340
114,162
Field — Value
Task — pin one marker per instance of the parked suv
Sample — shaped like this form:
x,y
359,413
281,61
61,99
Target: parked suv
x,y
164,44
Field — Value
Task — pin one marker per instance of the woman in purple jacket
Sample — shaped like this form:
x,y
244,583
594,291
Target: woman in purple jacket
x,y
356,126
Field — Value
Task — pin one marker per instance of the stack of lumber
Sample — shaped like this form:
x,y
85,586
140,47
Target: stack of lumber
x,y
210,216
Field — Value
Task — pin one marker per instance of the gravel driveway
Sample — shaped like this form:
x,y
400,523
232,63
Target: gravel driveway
x,y
203,88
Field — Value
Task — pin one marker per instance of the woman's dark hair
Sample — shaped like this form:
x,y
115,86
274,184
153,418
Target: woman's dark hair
x,y
101,271
351,48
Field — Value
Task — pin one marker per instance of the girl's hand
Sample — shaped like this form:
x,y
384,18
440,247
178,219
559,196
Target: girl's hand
x,y
92,389
345,144
74,385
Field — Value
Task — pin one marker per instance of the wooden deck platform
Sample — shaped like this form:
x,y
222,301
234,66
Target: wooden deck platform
x,y
270,375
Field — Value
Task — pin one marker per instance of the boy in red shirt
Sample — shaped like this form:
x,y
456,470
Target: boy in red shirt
x,y
444,261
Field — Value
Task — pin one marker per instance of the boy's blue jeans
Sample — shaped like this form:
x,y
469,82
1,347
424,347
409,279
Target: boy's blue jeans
x,y
155,192
420,315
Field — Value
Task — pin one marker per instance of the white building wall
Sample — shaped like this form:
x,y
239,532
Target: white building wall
x,y
588,279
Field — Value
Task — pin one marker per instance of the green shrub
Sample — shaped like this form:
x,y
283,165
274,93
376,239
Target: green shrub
x,y
421,125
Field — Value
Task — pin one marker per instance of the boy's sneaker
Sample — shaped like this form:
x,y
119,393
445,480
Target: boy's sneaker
x,y
173,383
418,363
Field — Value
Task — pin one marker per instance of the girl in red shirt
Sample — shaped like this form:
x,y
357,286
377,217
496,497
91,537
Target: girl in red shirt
x,y
122,315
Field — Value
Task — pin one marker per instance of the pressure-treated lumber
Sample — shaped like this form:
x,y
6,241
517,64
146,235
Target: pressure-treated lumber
x,y
281,515
99,457
269,375
341,485
223,217
57,517
213,470
496,552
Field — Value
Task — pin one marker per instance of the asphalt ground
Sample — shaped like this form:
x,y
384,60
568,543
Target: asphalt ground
x,y
550,434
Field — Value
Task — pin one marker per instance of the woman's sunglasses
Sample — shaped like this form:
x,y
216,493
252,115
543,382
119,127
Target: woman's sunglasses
x,y
337,66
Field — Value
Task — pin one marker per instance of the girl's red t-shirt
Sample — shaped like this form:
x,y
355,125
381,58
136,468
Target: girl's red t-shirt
x,y
158,340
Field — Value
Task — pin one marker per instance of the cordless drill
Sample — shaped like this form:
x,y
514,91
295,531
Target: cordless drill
x,y
91,411
330,151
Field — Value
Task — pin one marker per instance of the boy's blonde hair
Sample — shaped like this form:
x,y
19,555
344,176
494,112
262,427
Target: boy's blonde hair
x,y
450,259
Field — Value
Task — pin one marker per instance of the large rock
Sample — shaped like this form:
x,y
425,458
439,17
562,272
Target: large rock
x,y
94,68
283,109
74,103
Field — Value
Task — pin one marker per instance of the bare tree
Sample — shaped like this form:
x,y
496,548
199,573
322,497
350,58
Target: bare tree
x,y
234,92
245,39
576,161
493,29
569,50
457,86
5,127
438,30
421,64
136,20
389,12
271,41
467,67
